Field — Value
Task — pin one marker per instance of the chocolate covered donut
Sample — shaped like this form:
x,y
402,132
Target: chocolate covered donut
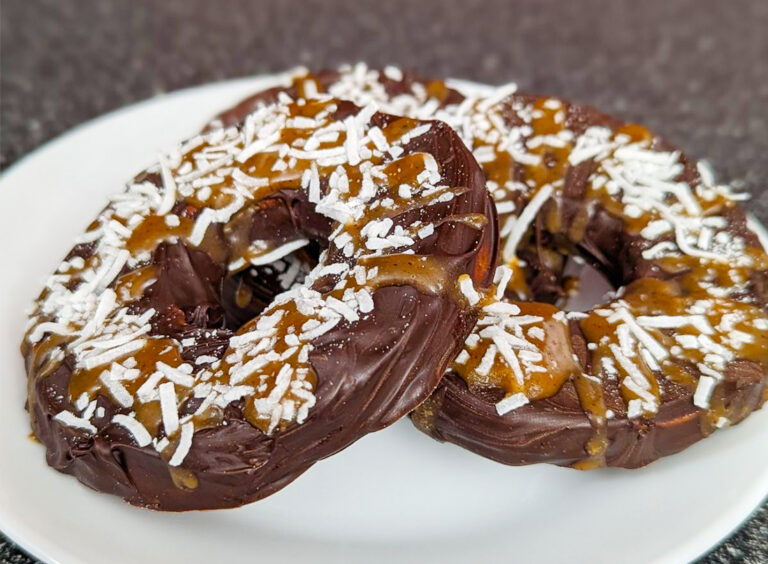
x,y
148,378
680,350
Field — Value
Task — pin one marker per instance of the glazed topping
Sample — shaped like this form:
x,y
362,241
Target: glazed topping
x,y
522,348
705,318
358,171
636,342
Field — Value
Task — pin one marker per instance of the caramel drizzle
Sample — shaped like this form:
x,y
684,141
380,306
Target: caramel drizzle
x,y
213,176
517,171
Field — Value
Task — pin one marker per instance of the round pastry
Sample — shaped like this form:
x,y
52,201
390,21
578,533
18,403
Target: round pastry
x,y
144,381
679,350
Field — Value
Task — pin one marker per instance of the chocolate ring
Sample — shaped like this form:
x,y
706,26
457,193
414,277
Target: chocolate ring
x,y
141,382
679,351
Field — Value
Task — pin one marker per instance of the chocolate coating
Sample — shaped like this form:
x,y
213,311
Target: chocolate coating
x,y
369,373
557,429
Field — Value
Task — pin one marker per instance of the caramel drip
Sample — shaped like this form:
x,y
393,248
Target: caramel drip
x,y
517,288
397,128
88,382
555,349
131,286
651,297
39,359
558,365
182,478
243,294
428,273
404,170
301,84
404,206
590,392
476,221
438,90
554,160
153,230
598,330
41,362
634,225
156,350
499,170
151,417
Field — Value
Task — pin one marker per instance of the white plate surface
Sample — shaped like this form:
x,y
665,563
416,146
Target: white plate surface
x,y
395,496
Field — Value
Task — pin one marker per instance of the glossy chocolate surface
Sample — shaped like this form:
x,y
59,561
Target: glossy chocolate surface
x,y
367,374
579,422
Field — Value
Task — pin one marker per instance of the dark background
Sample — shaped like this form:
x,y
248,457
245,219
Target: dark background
x,y
694,71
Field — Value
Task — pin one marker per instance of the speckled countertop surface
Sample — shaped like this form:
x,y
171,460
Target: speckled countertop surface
x,y
694,71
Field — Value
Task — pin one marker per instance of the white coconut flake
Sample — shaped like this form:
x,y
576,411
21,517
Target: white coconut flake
x,y
468,289
200,228
175,375
510,403
653,346
703,391
139,432
258,146
169,189
279,252
147,390
114,354
634,408
71,420
185,443
168,408
520,226
116,389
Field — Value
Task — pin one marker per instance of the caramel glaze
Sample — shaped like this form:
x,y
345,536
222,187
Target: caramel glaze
x,y
578,410
364,374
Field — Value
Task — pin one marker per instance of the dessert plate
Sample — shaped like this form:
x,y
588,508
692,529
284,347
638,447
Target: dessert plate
x,y
392,496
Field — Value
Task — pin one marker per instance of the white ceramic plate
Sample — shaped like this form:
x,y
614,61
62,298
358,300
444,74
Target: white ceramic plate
x,y
395,496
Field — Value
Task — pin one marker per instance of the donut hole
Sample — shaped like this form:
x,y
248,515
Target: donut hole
x,y
578,269
569,280
585,285
201,306
245,294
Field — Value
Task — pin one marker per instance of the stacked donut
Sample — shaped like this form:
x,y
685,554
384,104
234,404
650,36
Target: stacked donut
x,y
326,257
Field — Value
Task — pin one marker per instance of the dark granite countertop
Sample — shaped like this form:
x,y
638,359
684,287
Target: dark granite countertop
x,y
695,71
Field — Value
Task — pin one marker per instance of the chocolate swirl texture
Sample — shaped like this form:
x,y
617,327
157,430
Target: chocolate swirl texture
x,y
143,380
